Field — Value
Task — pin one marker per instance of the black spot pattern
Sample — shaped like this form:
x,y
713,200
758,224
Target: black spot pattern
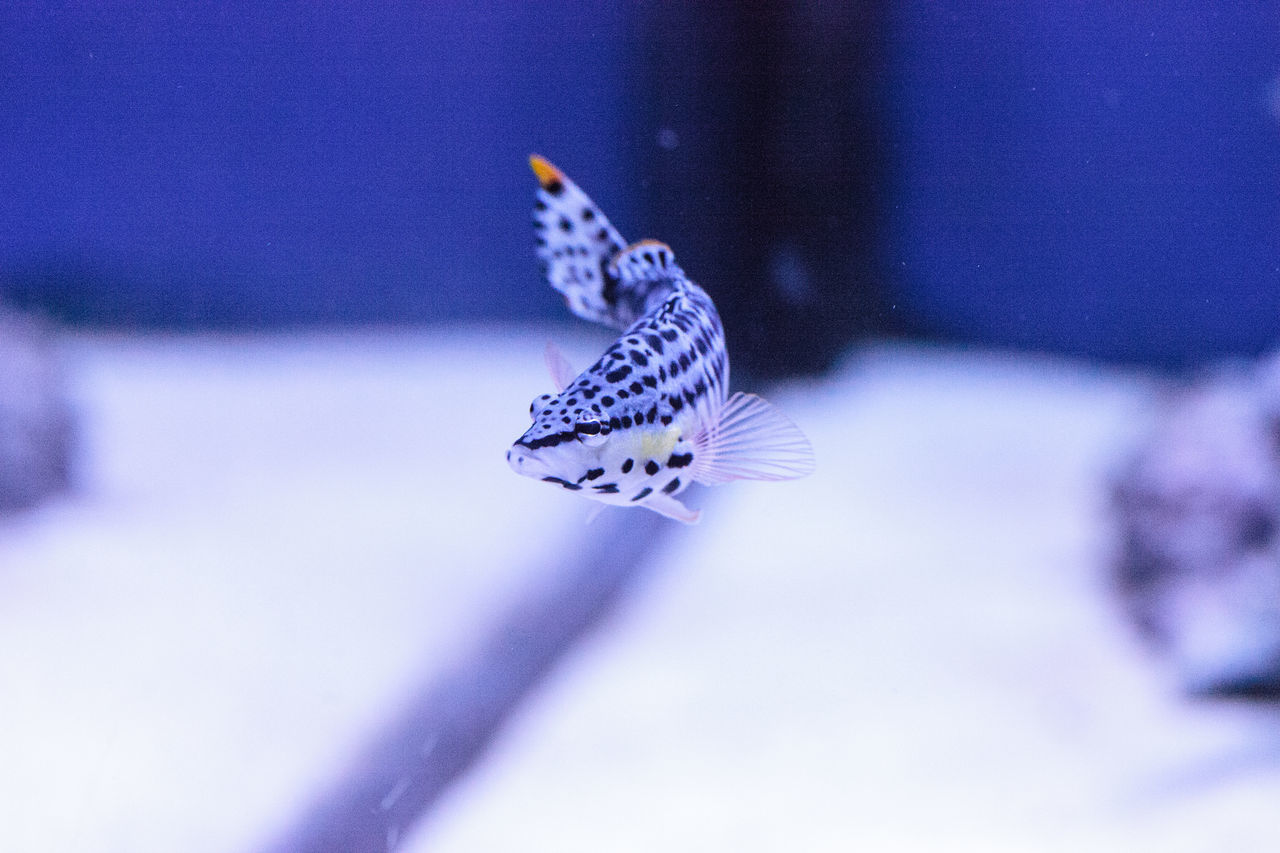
x,y
546,441
618,375
571,486
666,361
680,460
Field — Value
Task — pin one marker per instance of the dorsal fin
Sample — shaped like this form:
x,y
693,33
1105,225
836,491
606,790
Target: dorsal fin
x,y
645,262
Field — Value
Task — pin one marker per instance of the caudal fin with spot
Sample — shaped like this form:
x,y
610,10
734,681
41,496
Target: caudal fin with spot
x,y
581,251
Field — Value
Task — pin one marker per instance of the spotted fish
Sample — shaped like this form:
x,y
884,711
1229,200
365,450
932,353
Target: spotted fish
x,y
653,414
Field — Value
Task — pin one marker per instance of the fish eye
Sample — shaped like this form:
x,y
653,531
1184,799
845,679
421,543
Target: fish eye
x,y
590,429
538,402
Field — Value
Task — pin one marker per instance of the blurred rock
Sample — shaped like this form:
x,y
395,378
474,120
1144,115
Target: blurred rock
x,y
35,418
1198,516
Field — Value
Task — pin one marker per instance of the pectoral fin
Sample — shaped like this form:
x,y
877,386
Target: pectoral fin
x,y
749,439
562,373
672,508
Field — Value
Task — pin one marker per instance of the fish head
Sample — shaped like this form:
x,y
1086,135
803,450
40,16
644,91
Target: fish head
x,y
566,442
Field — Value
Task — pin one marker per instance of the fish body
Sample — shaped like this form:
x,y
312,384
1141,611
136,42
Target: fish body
x,y
653,414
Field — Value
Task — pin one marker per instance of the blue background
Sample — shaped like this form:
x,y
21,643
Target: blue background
x,y
230,163
1102,179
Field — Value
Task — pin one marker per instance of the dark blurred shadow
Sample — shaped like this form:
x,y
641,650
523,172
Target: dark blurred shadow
x,y
454,717
765,156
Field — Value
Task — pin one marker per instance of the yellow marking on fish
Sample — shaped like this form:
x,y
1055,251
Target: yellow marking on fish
x,y
658,444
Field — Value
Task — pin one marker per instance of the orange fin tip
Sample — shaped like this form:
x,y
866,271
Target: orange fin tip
x,y
548,175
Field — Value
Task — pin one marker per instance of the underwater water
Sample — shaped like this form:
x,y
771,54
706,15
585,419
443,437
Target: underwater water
x,y
286,594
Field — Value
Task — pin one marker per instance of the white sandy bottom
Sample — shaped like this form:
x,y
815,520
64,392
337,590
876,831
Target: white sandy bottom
x,y
912,650
276,541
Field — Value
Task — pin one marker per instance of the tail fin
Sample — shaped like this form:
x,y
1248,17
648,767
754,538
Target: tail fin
x,y
584,254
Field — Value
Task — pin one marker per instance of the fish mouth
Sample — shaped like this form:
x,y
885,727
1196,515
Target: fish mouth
x,y
524,461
